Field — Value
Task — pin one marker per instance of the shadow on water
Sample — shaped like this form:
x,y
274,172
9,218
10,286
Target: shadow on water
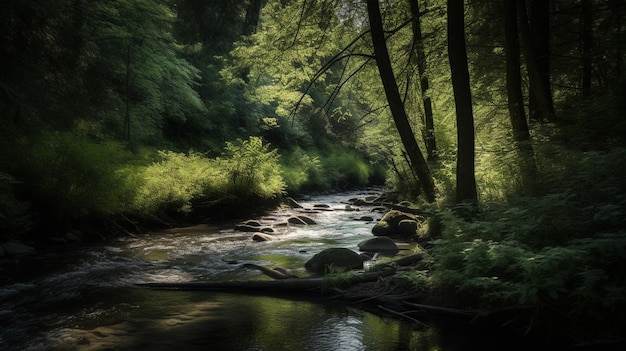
x,y
170,320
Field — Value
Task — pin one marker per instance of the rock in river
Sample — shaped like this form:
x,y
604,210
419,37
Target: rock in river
x,y
335,257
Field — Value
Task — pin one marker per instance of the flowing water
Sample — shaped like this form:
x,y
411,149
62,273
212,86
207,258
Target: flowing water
x,y
86,298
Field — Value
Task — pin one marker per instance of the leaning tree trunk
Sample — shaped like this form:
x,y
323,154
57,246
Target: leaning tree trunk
x,y
457,54
429,125
395,101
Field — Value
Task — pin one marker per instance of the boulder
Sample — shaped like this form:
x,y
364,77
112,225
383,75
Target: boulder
x,y
382,228
388,225
335,257
360,202
292,203
307,220
13,249
253,223
407,227
259,237
296,220
381,244
366,218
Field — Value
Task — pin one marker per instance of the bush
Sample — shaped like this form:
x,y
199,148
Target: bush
x,y
173,182
247,171
68,177
302,171
252,170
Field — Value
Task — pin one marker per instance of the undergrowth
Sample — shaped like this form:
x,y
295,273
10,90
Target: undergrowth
x,y
562,251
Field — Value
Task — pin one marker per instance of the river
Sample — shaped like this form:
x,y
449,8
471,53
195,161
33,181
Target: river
x,y
86,299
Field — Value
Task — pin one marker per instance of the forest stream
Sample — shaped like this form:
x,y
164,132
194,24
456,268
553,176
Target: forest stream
x,y
87,298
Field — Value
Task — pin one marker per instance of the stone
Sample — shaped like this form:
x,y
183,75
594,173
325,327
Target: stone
x,y
380,244
388,225
296,220
307,220
382,228
328,259
292,203
259,237
359,202
407,227
253,223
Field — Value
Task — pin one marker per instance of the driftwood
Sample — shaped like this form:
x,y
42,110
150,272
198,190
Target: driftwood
x,y
276,273
258,286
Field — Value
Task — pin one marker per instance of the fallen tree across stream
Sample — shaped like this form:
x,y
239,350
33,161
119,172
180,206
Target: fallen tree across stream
x,y
283,285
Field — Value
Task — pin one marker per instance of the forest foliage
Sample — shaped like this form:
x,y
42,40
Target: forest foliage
x,y
126,111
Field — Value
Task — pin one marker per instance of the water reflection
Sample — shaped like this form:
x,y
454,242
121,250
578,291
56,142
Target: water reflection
x,y
170,320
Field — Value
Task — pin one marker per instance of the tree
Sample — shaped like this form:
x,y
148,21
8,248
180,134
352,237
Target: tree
x,y
418,163
513,75
587,39
521,135
539,81
457,54
429,126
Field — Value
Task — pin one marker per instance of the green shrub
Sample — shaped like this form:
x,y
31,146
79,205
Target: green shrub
x,y
252,170
302,171
173,182
247,171
346,168
71,176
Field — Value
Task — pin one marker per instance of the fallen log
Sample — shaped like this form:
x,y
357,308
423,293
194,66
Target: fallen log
x,y
286,285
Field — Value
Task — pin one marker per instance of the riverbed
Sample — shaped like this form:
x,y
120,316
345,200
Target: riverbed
x,y
86,298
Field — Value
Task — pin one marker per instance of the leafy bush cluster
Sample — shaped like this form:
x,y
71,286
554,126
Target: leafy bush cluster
x,y
563,250
248,171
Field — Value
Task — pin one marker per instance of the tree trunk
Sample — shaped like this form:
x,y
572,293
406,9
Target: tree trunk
x,y
457,55
586,39
252,17
395,101
539,89
521,135
261,286
539,25
428,132
513,74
